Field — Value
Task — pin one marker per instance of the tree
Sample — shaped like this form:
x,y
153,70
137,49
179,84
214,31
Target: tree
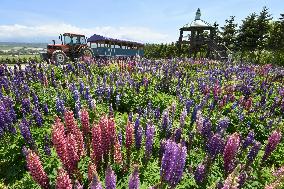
x,y
263,26
276,37
229,33
248,37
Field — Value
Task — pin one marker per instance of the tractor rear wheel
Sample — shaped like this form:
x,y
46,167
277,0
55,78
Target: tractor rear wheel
x,y
87,54
59,57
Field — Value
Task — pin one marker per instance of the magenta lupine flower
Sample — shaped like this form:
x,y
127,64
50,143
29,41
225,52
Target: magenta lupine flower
x,y
230,152
63,181
273,141
134,181
36,169
110,180
149,140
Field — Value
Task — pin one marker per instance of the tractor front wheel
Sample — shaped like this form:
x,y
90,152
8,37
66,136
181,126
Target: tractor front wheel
x,y
59,57
87,54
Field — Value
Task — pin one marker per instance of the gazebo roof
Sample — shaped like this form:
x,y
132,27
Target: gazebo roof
x,y
197,22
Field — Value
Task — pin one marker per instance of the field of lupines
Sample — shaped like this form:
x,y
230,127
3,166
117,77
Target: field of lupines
x,y
110,124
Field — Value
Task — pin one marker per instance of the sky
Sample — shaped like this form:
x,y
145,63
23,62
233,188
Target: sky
x,y
148,21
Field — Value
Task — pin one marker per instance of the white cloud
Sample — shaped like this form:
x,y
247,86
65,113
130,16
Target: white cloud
x,y
18,32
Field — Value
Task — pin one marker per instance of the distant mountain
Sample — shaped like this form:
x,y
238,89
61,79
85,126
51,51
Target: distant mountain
x,y
7,45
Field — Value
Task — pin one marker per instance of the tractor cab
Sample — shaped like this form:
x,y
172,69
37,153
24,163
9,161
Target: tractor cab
x,y
72,46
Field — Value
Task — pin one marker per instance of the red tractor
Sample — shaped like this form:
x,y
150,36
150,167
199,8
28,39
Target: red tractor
x,y
72,46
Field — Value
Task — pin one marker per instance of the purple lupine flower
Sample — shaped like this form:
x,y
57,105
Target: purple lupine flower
x,y
38,117
200,174
81,88
162,148
26,105
45,108
157,113
46,148
230,152
182,118
242,179
130,117
150,131
138,137
178,133
188,105
77,185
91,103
179,166
249,140
165,120
25,131
168,160
24,151
76,95
35,100
273,141
134,181
110,110
110,180
117,100
87,93
60,106
206,129
77,109
119,136
215,145
96,184
222,125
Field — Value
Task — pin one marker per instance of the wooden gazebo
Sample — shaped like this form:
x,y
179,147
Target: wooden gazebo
x,y
201,36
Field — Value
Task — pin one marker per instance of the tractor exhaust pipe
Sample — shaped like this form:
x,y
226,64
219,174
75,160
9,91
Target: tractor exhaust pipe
x,y
53,42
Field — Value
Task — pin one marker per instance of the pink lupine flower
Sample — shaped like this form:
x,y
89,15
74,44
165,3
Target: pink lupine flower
x,y
129,137
103,124
117,153
72,150
36,169
85,122
63,181
91,171
232,181
58,137
230,152
73,128
111,130
96,143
